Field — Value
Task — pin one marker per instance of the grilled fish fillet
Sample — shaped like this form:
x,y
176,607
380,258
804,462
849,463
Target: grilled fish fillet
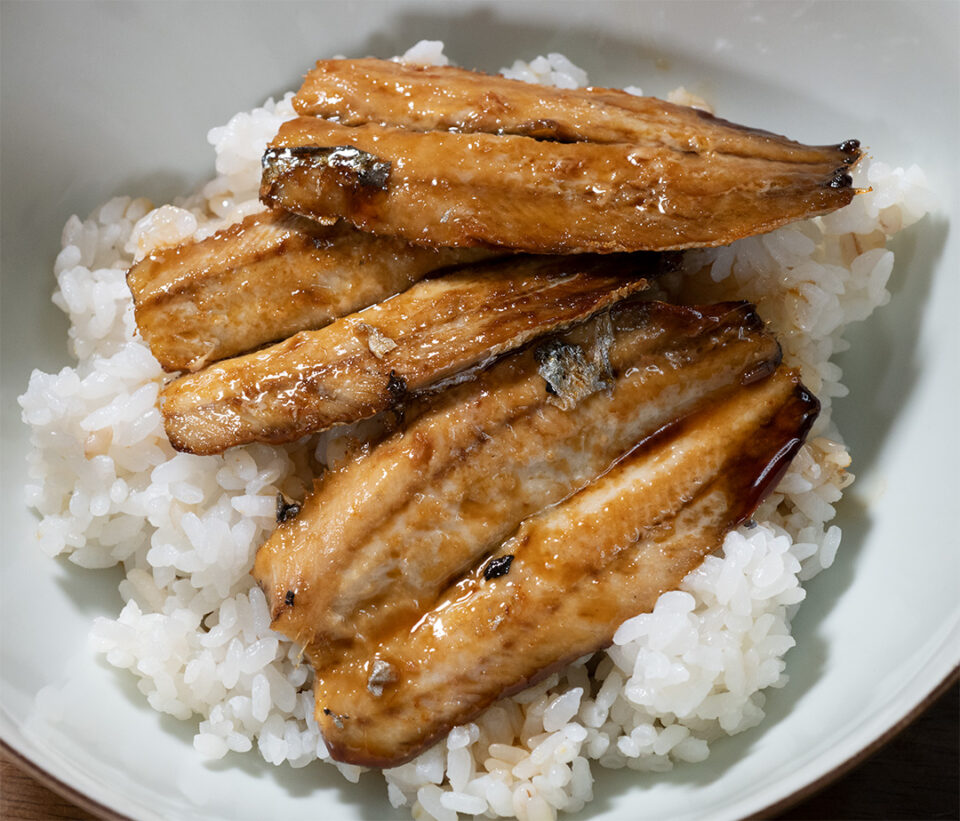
x,y
366,362
560,586
381,537
452,189
264,279
358,92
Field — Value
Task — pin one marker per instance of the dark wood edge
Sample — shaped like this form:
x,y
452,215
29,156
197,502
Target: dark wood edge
x,y
61,788
842,769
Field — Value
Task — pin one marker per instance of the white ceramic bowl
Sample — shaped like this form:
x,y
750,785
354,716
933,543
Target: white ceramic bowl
x,y
107,98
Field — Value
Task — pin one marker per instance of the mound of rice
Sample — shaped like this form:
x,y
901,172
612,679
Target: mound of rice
x,y
196,631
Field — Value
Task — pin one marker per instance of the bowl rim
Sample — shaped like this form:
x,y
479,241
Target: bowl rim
x,y
64,789
841,769
57,785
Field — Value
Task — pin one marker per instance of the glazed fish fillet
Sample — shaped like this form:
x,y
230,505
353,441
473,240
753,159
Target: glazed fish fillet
x,y
559,587
264,279
380,538
369,361
445,188
358,92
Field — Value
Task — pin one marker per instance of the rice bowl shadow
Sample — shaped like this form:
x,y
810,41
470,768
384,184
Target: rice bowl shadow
x,y
304,782
884,363
90,590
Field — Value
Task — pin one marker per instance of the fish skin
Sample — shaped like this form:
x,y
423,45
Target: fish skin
x,y
264,279
379,538
447,98
438,329
579,569
441,188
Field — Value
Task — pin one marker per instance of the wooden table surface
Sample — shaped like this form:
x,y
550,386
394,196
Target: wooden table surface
x,y
915,776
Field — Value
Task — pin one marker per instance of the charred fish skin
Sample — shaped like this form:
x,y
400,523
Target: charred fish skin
x,y
515,192
352,168
360,92
264,279
578,570
438,496
436,330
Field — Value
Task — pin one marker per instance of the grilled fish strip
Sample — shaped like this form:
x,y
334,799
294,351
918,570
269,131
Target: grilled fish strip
x,y
264,279
451,189
369,361
577,571
380,538
358,92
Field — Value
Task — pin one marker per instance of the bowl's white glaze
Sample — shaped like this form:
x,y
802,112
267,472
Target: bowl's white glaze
x,y
108,98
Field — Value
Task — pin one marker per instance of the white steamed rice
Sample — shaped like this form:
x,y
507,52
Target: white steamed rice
x,y
195,629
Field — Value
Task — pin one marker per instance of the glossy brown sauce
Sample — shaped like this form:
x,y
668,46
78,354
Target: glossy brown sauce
x,y
440,494
442,327
264,279
478,189
578,570
358,92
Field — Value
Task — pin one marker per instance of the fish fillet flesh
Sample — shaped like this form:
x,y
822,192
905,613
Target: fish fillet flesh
x,y
367,362
559,587
264,279
446,98
381,537
443,188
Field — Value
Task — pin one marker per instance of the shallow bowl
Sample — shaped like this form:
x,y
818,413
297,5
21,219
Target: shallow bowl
x,y
101,99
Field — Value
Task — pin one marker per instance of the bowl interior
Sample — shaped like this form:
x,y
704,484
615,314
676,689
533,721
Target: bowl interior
x,y
122,103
